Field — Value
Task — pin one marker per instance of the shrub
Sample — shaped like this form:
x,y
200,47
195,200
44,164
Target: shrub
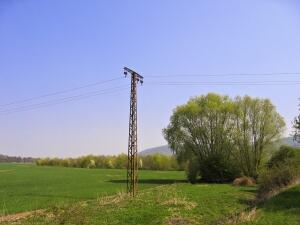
x,y
214,168
283,169
91,164
217,168
192,170
284,155
272,180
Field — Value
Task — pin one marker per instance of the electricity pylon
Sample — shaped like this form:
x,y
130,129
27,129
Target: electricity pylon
x,y
132,165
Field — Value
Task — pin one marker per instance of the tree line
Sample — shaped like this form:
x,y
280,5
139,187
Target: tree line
x,y
149,162
15,159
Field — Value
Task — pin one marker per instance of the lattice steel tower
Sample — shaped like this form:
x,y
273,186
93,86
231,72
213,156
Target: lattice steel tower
x,y
132,166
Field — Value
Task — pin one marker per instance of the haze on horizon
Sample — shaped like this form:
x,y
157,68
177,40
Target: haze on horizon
x,y
49,46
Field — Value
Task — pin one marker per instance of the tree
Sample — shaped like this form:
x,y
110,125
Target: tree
x,y
257,126
216,134
296,126
121,161
201,129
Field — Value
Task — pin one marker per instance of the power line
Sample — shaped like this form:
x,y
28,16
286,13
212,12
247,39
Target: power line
x,y
158,83
225,83
222,75
60,92
148,77
47,104
64,100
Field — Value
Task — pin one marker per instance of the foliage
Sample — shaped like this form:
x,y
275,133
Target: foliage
x,y
257,126
282,170
192,170
272,180
224,130
149,162
215,168
286,154
296,126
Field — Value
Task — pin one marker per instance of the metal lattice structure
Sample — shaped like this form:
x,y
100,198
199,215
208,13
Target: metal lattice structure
x,y
132,166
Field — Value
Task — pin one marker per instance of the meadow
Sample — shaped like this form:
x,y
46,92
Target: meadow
x,y
97,196
26,187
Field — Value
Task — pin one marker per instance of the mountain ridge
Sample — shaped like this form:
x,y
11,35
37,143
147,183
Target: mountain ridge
x,y
165,150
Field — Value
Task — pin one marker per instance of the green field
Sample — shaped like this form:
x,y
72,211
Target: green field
x,y
167,204
95,196
25,187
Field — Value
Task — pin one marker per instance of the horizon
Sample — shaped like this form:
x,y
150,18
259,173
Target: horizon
x,y
182,50
140,151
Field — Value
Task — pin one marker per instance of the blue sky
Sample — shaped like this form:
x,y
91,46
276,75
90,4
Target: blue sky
x,y
53,45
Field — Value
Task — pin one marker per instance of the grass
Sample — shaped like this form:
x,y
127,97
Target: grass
x,y
166,204
26,187
283,209
83,196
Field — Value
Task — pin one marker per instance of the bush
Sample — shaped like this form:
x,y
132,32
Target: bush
x,y
214,168
284,155
283,169
272,180
217,168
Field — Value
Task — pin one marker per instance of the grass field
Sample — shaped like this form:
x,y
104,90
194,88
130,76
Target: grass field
x,y
167,204
25,187
83,196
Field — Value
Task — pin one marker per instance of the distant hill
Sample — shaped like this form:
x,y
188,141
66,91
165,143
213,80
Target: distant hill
x,y
289,141
165,150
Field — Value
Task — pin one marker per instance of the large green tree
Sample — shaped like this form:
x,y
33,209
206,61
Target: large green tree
x,y
257,125
199,132
214,133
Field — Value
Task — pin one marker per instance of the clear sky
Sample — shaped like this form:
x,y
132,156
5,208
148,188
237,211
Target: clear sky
x,y
52,45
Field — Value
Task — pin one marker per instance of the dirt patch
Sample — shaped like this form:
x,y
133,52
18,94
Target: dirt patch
x,y
19,216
